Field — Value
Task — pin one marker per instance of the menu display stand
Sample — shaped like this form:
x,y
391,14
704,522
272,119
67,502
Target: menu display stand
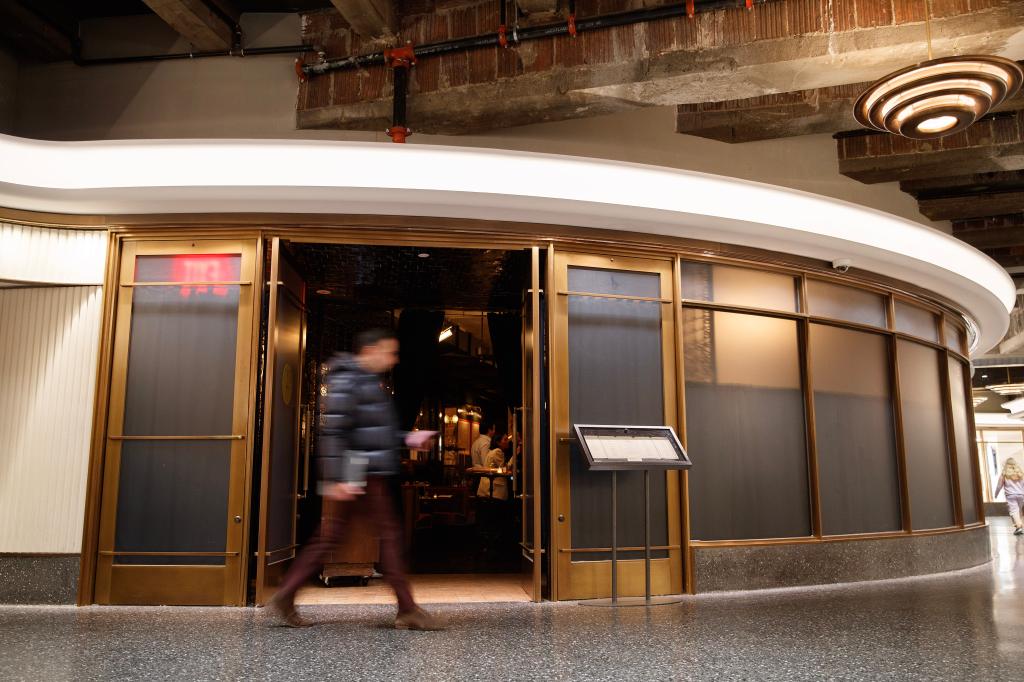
x,y
631,448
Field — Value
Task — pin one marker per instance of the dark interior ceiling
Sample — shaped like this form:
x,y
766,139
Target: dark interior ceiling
x,y
387,277
48,30
61,11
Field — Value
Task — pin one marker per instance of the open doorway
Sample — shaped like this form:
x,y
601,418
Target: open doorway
x,y
467,322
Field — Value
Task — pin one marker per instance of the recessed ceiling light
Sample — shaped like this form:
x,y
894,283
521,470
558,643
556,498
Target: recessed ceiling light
x,y
423,255
323,292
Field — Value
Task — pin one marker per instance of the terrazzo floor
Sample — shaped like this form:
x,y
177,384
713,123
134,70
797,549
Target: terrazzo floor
x,y
967,625
457,588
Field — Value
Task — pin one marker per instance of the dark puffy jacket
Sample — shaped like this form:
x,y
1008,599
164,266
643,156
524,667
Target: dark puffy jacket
x,y
359,433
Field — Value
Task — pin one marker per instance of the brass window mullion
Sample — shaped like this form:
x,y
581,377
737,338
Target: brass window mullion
x,y
954,470
744,310
595,550
177,438
976,456
897,413
174,554
233,283
642,299
810,424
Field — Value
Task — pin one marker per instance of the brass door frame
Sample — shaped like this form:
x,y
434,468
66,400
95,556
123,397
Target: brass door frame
x,y
583,580
269,566
534,552
177,584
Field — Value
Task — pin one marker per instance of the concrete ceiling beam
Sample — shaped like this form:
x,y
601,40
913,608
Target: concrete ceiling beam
x,y
965,185
368,18
994,144
1000,236
971,205
206,24
788,114
29,34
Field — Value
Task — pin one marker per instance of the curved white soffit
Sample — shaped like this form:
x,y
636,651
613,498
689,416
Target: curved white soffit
x,y
187,176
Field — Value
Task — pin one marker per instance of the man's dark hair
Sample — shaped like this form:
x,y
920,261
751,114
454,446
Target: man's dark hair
x,y
486,425
371,337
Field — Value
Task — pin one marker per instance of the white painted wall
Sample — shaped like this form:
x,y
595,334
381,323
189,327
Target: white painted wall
x,y
255,98
51,256
49,338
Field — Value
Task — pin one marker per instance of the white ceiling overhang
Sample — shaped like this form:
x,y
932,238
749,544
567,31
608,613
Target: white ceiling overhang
x,y
278,176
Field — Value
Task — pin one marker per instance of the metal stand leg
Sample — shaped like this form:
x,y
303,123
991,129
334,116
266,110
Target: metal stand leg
x,y
647,600
615,544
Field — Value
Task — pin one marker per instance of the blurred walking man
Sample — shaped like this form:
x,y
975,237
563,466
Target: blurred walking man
x,y
356,462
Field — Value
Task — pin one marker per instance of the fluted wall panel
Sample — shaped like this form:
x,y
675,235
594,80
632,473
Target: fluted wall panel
x,y
43,255
49,339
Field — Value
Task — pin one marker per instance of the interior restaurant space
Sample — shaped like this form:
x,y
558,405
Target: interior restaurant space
x,y
458,314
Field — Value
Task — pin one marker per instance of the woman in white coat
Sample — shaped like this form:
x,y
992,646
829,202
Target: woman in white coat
x,y
1012,480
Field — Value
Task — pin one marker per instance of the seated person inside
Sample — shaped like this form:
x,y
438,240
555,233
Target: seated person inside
x,y
496,458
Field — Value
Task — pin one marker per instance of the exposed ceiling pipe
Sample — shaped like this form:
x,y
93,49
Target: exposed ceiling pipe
x,y
522,35
400,60
200,54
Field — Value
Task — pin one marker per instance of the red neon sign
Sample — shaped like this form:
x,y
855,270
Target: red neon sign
x,y
206,269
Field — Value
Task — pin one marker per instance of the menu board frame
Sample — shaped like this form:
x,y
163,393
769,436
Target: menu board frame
x,y
597,462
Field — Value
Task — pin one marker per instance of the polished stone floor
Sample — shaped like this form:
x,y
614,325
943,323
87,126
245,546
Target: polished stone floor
x,y
967,625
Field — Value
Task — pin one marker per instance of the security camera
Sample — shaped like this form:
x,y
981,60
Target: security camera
x,y
841,264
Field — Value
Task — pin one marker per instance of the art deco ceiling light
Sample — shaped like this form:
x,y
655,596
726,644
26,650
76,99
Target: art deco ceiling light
x,y
938,97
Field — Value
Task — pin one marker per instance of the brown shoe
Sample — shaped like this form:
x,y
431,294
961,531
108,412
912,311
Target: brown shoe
x,y
284,614
418,619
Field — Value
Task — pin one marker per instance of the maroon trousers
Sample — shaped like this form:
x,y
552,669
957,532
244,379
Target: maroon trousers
x,y
376,506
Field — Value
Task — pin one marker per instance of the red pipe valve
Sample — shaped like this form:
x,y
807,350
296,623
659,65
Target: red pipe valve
x,y
398,133
397,57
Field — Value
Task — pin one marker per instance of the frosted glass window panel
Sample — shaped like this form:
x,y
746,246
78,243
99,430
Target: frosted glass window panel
x,y
181,361
955,338
173,497
857,457
924,430
825,299
732,285
615,282
616,376
746,430
962,439
721,351
917,321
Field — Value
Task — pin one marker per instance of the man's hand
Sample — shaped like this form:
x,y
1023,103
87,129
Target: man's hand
x,y
420,440
342,492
